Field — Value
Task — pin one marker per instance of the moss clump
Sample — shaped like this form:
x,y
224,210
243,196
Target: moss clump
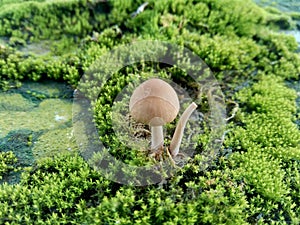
x,y
76,186
266,147
8,161
50,19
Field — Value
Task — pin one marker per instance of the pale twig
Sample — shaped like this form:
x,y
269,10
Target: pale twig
x,y
234,110
140,9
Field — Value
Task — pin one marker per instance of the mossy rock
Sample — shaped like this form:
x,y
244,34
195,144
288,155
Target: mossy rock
x,y
51,114
33,111
15,102
54,142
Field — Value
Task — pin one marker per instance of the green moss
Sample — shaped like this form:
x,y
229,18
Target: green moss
x,y
54,142
49,19
15,102
33,112
266,145
51,113
295,15
254,179
8,161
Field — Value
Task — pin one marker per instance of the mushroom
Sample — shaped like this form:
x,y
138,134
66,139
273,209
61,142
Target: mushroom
x,y
156,103
177,136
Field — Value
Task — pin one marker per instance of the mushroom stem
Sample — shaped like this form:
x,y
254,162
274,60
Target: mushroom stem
x,y
177,137
157,137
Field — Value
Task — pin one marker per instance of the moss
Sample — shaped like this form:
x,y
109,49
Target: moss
x,y
8,160
254,179
42,20
295,15
15,102
76,185
267,144
54,142
55,113
33,112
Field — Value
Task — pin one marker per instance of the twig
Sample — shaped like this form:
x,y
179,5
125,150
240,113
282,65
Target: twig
x,y
234,110
140,9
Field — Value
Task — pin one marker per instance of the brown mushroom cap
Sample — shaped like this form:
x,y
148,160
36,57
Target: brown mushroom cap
x,y
154,102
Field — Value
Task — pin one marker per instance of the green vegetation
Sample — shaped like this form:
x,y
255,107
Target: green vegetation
x,y
255,178
8,161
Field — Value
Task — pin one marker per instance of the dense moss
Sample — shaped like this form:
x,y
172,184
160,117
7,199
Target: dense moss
x,y
254,179
8,161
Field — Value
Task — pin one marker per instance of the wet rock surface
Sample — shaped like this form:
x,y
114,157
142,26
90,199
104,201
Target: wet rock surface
x,y
36,122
